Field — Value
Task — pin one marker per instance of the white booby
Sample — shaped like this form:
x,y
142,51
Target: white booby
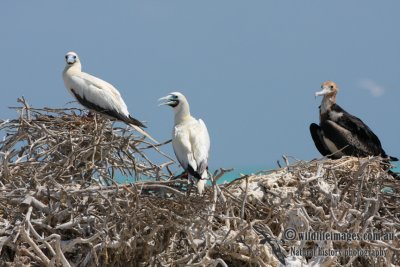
x,y
190,139
97,95
340,133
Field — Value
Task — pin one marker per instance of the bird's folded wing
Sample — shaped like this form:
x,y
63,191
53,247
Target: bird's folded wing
x,y
318,138
361,131
348,141
183,147
200,141
102,97
101,84
98,98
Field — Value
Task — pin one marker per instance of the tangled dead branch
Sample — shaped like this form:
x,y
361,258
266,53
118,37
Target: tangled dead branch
x,y
61,205
352,199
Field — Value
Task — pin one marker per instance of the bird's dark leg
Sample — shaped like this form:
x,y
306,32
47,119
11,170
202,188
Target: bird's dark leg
x,y
190,184
189,189
90,114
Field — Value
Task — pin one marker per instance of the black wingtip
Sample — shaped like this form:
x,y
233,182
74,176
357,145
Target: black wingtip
x,y
316,135
393,158
136,122
193,172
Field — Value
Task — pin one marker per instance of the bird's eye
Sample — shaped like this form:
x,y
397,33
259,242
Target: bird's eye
x,y
74,57
331,86
174,96
66,57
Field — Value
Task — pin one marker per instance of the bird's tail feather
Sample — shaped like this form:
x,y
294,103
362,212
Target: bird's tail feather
x,y
193,172
201,179
132,120
140,130
200,185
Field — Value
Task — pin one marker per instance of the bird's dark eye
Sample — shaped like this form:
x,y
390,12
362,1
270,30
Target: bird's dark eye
x,y
75,58
331,86
66,57
174,96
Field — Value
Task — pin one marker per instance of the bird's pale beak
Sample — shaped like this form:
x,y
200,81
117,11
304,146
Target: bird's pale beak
x,y
70,59
324,91
167,99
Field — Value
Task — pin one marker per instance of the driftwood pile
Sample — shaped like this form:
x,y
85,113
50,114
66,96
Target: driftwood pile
x,y
60,204
353,200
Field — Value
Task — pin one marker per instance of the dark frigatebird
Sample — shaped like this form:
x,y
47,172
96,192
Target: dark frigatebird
x,y
341,134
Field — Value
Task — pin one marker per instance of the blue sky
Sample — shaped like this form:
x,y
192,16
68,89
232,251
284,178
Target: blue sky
x,y
248,68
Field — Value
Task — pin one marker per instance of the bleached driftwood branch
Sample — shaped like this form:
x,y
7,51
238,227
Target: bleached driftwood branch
x,y
61,206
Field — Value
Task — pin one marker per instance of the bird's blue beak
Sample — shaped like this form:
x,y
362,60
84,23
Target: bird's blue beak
x,y
70,59
168,100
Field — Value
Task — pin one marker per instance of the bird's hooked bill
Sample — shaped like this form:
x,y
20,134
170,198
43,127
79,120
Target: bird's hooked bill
x,y
324,91
168,100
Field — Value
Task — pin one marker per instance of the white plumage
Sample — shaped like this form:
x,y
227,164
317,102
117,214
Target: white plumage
x,y
190,139
96,94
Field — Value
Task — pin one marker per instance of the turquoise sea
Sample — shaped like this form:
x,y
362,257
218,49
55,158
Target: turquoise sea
x,y
226,178
238,172
397,167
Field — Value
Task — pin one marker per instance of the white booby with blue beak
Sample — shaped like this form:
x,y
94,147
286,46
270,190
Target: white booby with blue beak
x,y
190,139
97,95
340,133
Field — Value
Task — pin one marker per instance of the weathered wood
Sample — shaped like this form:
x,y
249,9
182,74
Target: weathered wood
x,y
61,206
